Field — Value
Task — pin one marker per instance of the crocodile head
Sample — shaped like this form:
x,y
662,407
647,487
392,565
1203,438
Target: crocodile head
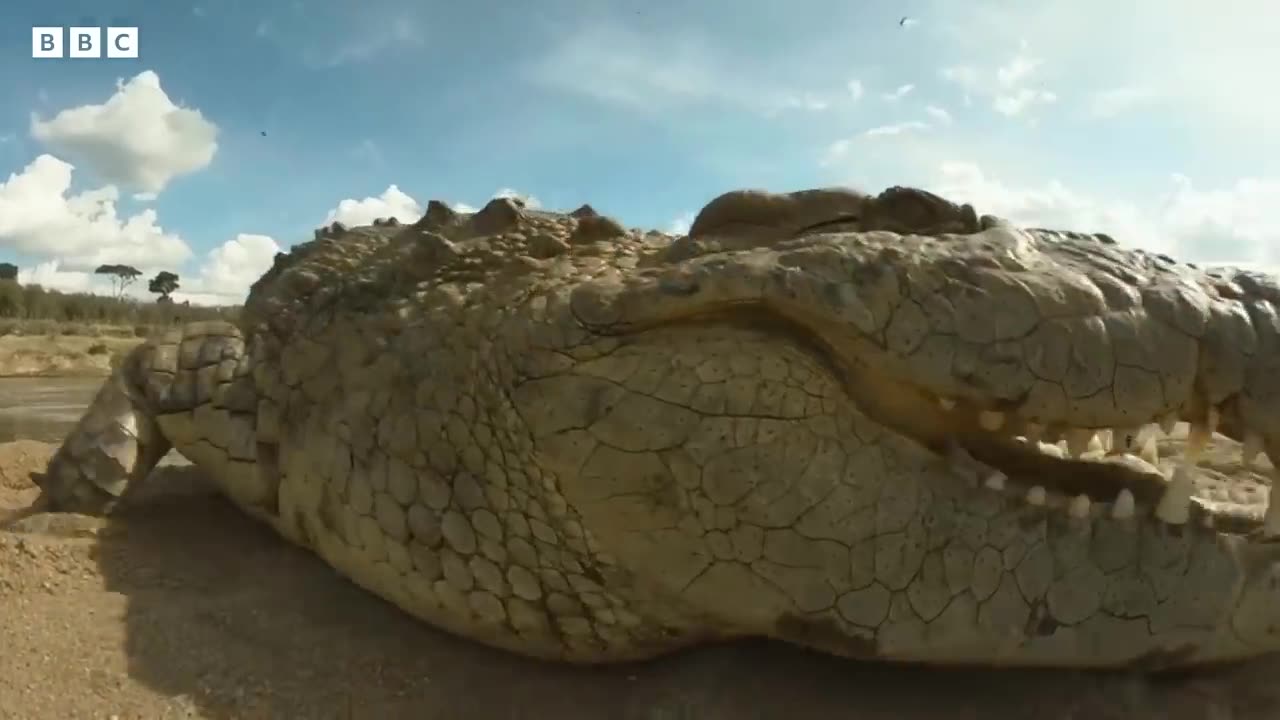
x,y
880,426
1000,395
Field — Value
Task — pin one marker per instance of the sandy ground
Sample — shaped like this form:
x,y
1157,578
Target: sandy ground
x,y
183,608
60,355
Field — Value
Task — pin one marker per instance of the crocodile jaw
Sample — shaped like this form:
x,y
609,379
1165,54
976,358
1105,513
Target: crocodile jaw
x,y
1041,368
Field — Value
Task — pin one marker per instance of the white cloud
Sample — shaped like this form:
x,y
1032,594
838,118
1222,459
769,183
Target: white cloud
x,y
530,201
1010,87
856,90
229,269
939,114
899,92
40,218
393,202
681,224
137,139
1233,225
50,274
1205,61
896,129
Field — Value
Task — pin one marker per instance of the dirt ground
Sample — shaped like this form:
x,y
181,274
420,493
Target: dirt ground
x,y
183,608
60,355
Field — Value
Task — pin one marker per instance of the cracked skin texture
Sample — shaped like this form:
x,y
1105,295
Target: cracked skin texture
x,y
575,441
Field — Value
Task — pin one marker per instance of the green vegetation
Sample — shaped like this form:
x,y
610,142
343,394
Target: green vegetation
x,y
163,284
34,310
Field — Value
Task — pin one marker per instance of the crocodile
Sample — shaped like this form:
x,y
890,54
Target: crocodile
x,y
878,426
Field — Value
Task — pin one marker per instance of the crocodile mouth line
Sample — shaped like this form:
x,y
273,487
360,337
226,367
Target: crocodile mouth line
x,y
1084,472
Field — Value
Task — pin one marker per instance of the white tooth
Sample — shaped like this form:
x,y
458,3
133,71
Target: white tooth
x,y
1052,450
1175,505
1124,506
1097,443
1271,518
995,480
1079,507
1168,422
1251,448
1125,439
1032,431
1037,495
1078,441
947,403
990,420
1150,451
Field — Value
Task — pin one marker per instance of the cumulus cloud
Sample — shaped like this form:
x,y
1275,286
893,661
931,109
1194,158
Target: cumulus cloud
x,y
50,274
393,202
396,203
681,224
40,217
528,200
1233,225
229,269
138,139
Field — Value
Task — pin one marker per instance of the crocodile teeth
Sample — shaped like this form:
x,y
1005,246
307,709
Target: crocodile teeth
x,y
991,420
1271,519
1079,507
1150,451
1175,505
1124,506
1250,448
996,480
1079,441
1052,450
1126,439
1037,495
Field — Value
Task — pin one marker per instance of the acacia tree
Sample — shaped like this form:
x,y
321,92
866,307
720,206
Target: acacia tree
x,y
122,276
163,284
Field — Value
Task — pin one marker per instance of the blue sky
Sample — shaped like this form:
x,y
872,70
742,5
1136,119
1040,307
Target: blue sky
x,y
1147,122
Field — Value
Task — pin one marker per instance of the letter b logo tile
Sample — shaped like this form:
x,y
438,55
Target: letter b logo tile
x,y
84,42
122,42
46,42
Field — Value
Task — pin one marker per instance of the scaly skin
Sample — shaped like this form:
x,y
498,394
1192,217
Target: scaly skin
x,y
578,442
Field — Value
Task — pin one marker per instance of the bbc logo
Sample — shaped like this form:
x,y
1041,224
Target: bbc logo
x,y
84,42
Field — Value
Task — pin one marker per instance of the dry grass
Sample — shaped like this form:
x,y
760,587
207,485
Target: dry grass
x,y
42,348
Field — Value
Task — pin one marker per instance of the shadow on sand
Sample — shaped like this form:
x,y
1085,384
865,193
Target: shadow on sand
x,y
242,624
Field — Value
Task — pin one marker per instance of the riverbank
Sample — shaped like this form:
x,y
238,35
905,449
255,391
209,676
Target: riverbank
x,y
72,350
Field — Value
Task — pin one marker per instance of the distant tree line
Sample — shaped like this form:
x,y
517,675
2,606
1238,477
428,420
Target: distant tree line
x,y
34,302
